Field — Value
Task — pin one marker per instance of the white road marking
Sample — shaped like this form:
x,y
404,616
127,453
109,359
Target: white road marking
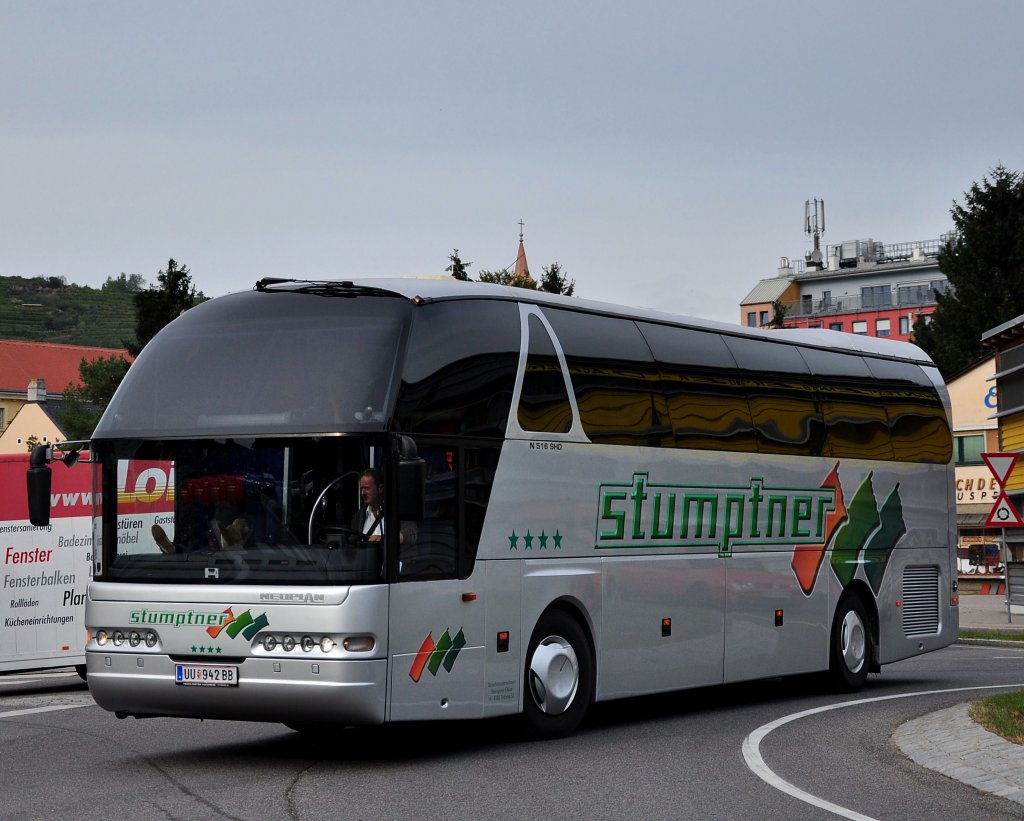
x,y
754,761
23,678
49,709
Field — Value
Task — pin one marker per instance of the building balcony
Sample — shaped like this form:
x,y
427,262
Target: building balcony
x,y
914,297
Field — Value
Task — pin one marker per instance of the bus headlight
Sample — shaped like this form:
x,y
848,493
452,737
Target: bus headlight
x,y
151,639
288,644
134,639
269,643
118,638
327,644
102,638
308,644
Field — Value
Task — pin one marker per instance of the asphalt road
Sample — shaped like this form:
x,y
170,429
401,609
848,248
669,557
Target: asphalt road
x,y
673,756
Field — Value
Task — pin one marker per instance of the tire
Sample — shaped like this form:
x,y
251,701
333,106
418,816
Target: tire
x,y
850,652
558,681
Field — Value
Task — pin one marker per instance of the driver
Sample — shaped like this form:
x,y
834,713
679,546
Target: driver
x,y
368,521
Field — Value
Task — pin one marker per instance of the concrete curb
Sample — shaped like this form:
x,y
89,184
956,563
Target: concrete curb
x,y
993,642
951,742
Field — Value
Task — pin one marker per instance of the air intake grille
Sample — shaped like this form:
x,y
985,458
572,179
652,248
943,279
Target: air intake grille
x,y
920,601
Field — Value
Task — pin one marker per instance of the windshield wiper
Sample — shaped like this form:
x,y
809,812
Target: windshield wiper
x,y
343,288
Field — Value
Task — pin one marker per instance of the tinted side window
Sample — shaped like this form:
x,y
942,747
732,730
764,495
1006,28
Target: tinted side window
x,y
781,393
917,420
460,368
613,377
856,425
544,402
704,395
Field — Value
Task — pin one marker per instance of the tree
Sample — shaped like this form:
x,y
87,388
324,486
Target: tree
x,y
124,283
984,262
85,403
555,282
505,277
779,312
458,268
157,306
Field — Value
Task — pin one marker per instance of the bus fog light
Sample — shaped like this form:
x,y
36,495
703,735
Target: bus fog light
x,y
151,639
269,643
358,644
308,644
102,638
288,644
326,644
134,639
118,638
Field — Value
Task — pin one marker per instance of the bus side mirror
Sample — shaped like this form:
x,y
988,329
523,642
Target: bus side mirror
x,y
39,486
412,482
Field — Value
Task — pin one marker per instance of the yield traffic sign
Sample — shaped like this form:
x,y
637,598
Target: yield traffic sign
x,y
1001,465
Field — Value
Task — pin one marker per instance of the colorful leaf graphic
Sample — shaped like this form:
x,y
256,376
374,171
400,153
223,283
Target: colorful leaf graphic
x,y
420,660
807,558
862,521
883,541
444,644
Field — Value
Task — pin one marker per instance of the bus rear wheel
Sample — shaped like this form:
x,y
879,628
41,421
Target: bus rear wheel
x,y
849,658
559,677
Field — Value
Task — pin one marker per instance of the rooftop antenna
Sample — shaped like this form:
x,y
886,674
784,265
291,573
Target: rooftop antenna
x,y
814,226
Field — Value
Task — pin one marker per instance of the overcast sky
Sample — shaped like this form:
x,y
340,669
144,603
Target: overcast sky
x,y
661,152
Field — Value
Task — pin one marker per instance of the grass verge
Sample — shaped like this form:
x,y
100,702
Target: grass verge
x,y
996,635
1002,714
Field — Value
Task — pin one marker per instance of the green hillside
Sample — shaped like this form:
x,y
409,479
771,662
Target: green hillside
x,y
46,309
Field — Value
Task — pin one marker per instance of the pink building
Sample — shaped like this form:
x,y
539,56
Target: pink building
x,y
859,286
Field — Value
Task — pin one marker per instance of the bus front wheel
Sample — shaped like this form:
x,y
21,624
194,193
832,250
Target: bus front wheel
x,y
851,645
559,677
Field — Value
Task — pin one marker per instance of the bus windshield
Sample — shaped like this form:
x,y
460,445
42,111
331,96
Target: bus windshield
x,y
264,364
240,511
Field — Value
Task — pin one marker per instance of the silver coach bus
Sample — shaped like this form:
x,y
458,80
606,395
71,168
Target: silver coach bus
x,y
580,502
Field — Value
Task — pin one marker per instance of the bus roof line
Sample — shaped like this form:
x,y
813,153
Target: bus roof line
x,y
423,291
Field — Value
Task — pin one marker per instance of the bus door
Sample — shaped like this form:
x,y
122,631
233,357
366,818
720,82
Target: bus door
x,y
436,620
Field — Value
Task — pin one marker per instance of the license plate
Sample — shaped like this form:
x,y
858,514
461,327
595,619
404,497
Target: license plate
x,y
206,675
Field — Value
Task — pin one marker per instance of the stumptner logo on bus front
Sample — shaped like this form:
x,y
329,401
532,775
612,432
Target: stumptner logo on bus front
x,y
189,618
643,514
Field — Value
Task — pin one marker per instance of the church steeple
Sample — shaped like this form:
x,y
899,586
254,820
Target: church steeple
x,y
521,277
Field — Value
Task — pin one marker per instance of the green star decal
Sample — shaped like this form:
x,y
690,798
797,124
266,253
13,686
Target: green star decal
x,y
528,540
193,648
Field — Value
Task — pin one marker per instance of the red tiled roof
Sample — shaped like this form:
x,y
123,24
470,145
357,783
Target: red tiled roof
x,y
21,362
